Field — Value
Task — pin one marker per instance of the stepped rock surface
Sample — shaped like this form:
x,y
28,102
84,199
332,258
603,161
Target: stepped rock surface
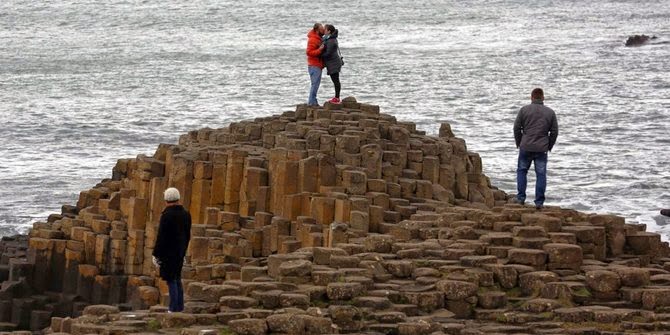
x,y
331,220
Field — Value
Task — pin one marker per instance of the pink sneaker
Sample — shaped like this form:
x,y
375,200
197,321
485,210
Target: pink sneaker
x,y
334,101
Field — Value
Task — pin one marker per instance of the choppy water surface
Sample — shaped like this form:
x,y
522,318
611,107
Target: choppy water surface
x,y
83,83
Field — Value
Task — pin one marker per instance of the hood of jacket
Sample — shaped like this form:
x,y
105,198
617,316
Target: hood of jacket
x,y
313,34
333,35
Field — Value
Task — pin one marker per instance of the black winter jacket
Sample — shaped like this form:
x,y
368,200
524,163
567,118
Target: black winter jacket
x,y
174,234
331,54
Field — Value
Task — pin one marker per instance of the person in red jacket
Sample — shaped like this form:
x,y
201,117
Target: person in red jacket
x,y
314,61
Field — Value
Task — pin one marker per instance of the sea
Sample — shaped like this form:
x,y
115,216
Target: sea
x,y
86,82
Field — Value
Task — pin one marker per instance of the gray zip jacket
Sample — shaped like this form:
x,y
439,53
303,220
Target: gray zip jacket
x,y
535,128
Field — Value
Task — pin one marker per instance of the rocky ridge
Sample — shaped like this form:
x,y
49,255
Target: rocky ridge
x,y
327,220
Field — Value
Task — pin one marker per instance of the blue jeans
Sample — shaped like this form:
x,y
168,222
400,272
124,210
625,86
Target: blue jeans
x,y
315,78
540,161
176,295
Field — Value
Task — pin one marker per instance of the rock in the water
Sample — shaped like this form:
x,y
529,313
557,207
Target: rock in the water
x,y
636,40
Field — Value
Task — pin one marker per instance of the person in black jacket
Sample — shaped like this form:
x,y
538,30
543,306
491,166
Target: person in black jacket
x,y
332,59
174,234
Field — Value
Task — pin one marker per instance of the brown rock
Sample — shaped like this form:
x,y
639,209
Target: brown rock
x,y
294,300
530,232
633,277
343,291
541,305
456,290
296,268
99,310
176,320
603,281
531,283
477,261
564,256
214,293
425,301
532,257
400,269
549,223
238,302
415,328
317,325
149,295
322,255
248,326
507,276
347,318
492,300
286,323
378,243
654,298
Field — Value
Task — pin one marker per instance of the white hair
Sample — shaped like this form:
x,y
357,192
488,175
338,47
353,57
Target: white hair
x,y
171,194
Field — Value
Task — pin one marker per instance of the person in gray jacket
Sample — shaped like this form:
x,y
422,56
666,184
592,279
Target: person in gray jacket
x,y
535,133
332,59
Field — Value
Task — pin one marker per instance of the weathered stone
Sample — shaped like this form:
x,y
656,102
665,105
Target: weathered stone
x,y
176,320
506,276
655,298
347,318
531,283
296,268
214,293
456,290
249,326
400,269
378,243
238,302
294,300
99,310
492,300
549,223
564,256
343,291
322,255
532,257
603,281
286,323
317,325
632,277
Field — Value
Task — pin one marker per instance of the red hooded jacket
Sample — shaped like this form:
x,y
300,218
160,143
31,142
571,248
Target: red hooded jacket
x,y
313,52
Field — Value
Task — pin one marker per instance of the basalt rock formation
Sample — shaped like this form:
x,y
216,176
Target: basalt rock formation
x,y
327,220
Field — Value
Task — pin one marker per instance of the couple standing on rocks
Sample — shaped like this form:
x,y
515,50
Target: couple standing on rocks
x,y
323,51
535,128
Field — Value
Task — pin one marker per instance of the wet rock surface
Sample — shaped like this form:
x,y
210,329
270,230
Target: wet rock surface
x,y
637,40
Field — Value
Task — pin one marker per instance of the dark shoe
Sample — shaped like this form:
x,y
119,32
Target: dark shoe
x,y
539,207
665,212
519,202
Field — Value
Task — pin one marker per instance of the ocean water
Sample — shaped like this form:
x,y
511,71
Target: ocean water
x,y
85,82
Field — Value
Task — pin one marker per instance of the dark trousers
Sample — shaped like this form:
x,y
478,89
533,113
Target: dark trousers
x,y
176,295
335,77
539,159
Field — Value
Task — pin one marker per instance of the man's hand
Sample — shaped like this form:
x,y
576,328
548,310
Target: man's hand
x,y
156,262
